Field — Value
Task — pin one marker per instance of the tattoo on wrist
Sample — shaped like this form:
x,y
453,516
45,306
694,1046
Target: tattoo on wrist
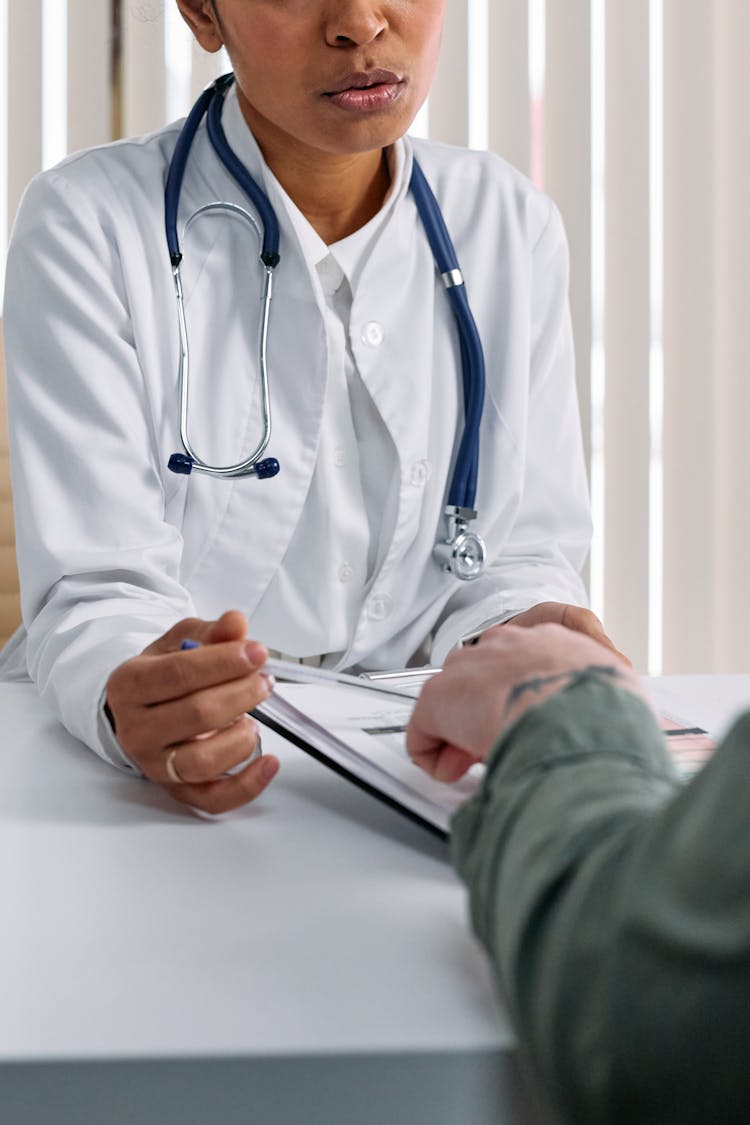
x,y
537,683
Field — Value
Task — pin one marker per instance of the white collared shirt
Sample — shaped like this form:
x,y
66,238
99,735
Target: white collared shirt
x,y
351,498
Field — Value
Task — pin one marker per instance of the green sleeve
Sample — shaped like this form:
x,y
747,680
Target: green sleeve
x,y
614,905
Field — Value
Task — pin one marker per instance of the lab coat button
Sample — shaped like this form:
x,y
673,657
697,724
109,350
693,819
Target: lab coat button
x,y
346,572
373,334
420,473
339,457
380,607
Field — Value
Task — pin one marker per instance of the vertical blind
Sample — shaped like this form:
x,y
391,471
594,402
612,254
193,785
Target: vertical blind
x,y
632,115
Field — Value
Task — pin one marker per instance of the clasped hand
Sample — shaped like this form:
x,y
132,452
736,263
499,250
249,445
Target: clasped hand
x,y
181,717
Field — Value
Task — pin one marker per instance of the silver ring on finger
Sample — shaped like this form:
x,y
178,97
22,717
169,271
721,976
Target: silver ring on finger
x,y
257,752
171,769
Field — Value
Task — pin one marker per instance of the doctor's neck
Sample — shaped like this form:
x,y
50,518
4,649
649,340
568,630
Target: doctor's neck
x,y
337,193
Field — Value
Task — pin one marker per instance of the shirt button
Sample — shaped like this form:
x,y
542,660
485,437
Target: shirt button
x,y
346,572
339,457
420,473
380,607
373,334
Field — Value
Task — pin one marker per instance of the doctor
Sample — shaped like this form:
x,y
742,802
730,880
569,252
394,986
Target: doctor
x,y
333,558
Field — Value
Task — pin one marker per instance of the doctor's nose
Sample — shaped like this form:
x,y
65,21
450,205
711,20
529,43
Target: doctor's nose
x,y
355,23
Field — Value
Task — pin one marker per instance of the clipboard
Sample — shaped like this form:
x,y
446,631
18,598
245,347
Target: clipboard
x,y
360,735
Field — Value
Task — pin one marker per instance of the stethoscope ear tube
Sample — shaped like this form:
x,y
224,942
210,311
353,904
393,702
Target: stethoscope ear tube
x,y
209,104
185,463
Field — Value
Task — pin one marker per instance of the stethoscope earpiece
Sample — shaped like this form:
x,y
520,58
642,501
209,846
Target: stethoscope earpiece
x,y
267,468
180,463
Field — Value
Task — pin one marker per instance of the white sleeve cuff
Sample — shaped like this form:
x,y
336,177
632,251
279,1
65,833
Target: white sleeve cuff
x,y
462,627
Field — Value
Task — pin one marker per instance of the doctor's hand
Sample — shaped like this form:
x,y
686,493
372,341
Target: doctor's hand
x,y
574,617
180,716
483,689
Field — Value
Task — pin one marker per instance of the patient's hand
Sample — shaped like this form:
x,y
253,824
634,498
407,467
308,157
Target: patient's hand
x,y
484,688
181,716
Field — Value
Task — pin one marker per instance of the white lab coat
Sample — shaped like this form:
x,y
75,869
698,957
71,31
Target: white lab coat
x,y
113,548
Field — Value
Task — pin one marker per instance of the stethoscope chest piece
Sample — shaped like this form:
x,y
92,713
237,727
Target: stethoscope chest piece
x,y
462,553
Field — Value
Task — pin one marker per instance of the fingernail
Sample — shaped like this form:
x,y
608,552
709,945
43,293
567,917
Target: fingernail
x,y
256,653
270,680
269,768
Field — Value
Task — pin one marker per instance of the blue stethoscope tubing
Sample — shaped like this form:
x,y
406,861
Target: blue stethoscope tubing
x,y
462,552
463,488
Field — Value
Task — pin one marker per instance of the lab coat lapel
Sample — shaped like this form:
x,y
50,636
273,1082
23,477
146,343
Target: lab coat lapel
x,y
413,374
417,353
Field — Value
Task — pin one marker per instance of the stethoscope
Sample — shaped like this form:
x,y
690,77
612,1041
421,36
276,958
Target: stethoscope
x,y
462,552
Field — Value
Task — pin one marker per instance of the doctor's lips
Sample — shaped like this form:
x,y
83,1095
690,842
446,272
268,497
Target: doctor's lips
x,y
366,89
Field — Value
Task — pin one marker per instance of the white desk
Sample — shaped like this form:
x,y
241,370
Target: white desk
x,y
306,961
